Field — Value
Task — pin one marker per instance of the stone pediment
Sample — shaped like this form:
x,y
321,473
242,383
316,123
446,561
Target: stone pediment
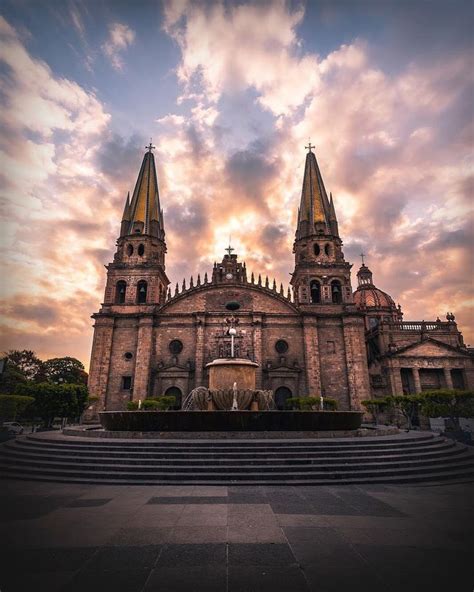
x,y
431,348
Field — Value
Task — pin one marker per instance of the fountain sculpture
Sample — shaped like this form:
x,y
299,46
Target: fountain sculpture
x,y
232,383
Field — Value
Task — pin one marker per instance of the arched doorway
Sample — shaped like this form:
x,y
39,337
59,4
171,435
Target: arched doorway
x,y
174,391
281,395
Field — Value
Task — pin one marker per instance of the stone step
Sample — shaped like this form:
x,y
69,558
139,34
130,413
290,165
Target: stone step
x,y
463,467
453,476
138,467
230,443
18,444
450,449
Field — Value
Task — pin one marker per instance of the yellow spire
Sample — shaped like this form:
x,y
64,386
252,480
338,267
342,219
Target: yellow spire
x,y
315,208
144,213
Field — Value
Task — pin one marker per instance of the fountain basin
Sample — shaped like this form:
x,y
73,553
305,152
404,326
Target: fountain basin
x,y
229,421
223,372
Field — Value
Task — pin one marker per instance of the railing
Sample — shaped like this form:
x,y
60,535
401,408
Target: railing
x,y
421,325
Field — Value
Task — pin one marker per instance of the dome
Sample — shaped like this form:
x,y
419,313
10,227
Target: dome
x,y
368,296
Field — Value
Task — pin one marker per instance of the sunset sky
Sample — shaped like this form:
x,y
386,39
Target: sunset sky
x,y
230,92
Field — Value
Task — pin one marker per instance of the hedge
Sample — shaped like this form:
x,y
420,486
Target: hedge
x,y
13,406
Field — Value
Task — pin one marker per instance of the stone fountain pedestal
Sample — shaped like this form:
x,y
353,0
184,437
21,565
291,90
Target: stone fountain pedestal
x,y
224,372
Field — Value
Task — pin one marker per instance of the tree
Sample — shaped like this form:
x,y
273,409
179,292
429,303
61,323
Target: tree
x,y
408,406
375,406
56,400
65,371
13,406
10,379
448,403
26,362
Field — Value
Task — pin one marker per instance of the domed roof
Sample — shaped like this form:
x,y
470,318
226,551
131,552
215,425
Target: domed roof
x,y
368,296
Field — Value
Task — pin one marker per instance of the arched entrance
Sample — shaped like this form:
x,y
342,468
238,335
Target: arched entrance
x,y
281,395
174,391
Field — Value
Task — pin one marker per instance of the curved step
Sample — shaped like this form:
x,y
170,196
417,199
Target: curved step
x,y
391,459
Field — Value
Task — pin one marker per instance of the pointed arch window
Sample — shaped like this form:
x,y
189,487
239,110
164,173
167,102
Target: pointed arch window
x,y
142,288
120,292
315,289
336,292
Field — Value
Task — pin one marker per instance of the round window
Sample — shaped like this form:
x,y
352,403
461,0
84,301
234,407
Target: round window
x,y
317,250
141,250
176,346
281,346
129,250
232,305
128,355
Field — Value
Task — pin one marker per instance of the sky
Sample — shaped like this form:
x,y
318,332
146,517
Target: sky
x,y
230,93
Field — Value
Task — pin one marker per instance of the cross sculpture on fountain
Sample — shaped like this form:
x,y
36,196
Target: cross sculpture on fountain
x,y
232,331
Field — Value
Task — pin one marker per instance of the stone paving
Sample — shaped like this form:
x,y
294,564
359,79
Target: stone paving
x,y
66,537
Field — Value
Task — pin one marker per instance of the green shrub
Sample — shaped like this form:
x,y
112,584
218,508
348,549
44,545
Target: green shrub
x,y
329,404
132,405
55,400
448,403
150,405
165,402
13,406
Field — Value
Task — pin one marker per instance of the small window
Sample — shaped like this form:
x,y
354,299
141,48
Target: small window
x,y
129,250
232,305
120,292
141,250
141,292
317,250
327,249
137,230
126,383
128,355
315,288
281,346
175,347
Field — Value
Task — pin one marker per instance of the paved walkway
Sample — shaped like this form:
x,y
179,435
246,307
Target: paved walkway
x,y
236,539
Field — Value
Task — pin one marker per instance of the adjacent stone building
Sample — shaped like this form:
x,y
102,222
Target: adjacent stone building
x,y
318,338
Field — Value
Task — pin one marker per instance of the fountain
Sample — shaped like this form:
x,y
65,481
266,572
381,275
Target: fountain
x,y
232,384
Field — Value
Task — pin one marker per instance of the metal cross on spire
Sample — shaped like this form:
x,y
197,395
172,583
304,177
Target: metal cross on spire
x,y
229,249
310,146
362,255
150,146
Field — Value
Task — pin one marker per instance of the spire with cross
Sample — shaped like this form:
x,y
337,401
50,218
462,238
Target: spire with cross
x,y
150,146
310,146
362,255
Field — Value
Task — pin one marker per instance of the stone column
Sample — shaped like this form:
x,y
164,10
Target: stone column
x,y
199,360
356,361
416,380
448,378
257,348
311,347
142,367
100,360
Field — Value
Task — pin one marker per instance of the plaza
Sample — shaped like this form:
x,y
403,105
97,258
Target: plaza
x,y
80,537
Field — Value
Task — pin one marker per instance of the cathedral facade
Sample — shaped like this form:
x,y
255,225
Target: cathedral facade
x,y
318,338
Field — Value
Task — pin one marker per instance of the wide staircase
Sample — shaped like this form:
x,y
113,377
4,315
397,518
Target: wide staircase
x,y
403,458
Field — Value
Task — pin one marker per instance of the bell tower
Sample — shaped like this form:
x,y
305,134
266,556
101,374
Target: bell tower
x,y
137,274
321,275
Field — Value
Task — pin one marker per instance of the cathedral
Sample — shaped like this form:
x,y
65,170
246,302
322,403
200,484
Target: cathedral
x,y
318,338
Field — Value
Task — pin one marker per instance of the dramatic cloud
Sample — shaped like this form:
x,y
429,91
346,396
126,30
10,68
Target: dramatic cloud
x,y
393,143
119,39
